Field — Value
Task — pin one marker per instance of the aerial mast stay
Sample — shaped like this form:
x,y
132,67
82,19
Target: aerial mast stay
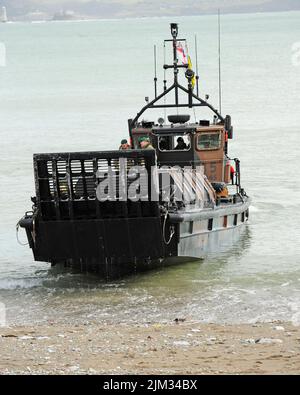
x,y
193,99
155,72
219,50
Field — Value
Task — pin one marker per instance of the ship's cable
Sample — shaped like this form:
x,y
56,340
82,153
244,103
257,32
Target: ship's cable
x,y
172,230
17,235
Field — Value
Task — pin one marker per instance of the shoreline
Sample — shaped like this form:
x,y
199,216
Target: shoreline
x,y
89,18
163,349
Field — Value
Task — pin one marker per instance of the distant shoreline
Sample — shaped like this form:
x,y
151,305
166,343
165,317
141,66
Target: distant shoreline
x,y
108,18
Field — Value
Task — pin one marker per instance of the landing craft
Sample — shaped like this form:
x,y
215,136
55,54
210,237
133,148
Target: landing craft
x,y
175,196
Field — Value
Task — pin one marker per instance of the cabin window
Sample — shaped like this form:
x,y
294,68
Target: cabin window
x,y
174,143
210,224
243,217
225,221
208,141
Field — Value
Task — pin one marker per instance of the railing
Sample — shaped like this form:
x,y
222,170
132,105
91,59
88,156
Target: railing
x,y
236,176
66,185
185,185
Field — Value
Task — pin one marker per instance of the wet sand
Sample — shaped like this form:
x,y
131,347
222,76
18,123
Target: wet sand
x,y
180,347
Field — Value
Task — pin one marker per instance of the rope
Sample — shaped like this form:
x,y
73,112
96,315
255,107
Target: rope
x,y
17,235
33,233
164,230
33,229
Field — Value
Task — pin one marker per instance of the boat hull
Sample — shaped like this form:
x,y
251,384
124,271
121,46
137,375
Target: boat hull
x,y
210,231
115,248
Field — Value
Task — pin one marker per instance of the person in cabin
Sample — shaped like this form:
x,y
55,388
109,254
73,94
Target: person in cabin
x,y
163,144
180,144
145,143
124,145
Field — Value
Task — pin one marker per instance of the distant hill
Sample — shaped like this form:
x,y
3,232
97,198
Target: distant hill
x,y
138,8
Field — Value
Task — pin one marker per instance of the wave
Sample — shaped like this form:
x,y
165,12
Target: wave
x,y
17,283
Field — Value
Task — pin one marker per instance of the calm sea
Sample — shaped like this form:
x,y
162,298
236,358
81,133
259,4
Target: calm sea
x,y
71,86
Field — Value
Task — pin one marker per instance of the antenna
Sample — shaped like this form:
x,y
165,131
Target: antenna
x,y
220,75
197,73
165,70
165,80
155,73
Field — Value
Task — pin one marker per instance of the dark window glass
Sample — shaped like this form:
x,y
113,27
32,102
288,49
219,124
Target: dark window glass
x,y
208,141
174,143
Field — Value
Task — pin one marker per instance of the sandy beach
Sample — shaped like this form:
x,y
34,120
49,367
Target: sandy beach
x,y
180,347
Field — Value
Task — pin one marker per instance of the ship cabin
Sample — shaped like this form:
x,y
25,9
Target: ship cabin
x,y
184,144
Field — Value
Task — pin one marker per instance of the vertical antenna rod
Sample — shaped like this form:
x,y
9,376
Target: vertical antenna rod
x,y
220,75
174,33
155,72
165,73
197,73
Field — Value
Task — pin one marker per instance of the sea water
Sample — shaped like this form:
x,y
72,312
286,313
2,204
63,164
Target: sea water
x,y
71,86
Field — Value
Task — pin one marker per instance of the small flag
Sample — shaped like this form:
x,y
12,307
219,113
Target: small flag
x,y
190,67
181,53
184,58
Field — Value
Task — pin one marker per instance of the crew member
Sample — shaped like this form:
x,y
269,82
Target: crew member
x,y
163,144
145,143
181,146
124,145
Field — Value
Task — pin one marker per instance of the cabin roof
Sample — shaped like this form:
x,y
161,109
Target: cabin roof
x,y
185,128
178,128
